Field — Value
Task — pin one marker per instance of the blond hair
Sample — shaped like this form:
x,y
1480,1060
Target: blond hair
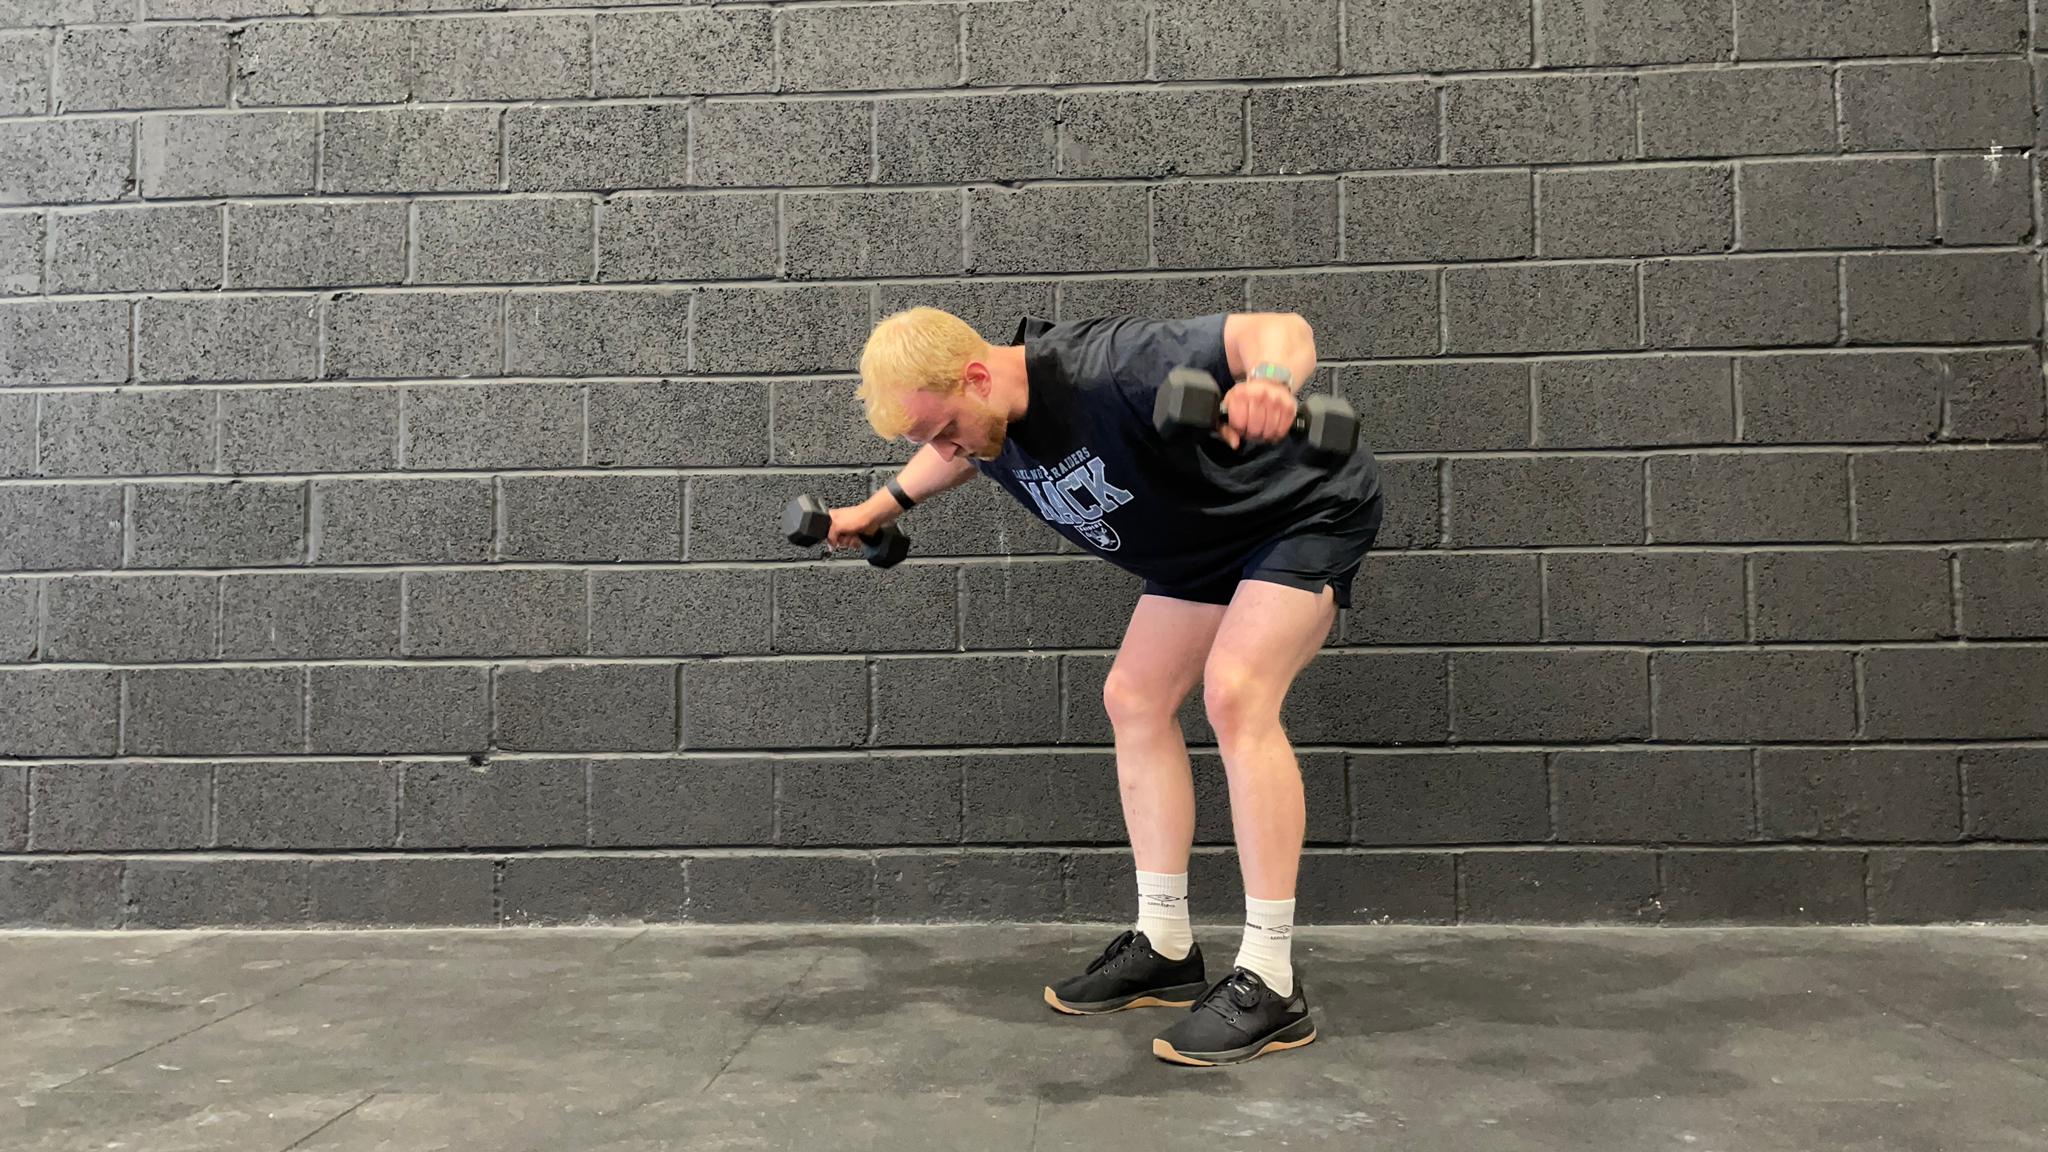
x,y
919,349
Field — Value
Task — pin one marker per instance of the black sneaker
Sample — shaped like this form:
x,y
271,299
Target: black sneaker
x,y
1236,1020
1129,974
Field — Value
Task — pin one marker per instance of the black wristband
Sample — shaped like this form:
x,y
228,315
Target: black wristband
x,y
901,496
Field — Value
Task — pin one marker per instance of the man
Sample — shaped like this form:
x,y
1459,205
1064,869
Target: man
x,y
1247,551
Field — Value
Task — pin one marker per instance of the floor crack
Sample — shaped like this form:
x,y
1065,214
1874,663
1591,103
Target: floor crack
x,y
331,1123
762,1023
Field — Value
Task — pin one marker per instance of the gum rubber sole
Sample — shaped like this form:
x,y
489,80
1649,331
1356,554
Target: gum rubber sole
x,y
1169,1053
1140,1002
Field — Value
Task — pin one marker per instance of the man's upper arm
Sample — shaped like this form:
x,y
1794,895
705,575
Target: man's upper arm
x,y
1144,351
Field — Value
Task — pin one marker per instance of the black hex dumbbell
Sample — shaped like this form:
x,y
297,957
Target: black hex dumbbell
x,y
1189,401
806,522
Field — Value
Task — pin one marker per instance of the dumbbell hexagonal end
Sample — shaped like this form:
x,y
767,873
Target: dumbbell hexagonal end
x,y
887,548
806,521
1332,430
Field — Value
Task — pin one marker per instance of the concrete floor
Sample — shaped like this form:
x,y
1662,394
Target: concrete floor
x,y
898,1040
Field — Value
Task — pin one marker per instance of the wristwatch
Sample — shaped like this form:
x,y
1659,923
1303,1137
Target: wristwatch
x,y
1272,371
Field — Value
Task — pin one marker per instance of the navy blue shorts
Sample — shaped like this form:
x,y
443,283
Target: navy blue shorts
x,y
1311,557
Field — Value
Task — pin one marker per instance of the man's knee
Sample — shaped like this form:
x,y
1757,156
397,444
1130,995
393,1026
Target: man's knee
x,y
1237,697
1131,699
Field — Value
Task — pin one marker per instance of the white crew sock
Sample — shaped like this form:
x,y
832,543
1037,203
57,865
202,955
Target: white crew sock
x,y
1268,947
1163,913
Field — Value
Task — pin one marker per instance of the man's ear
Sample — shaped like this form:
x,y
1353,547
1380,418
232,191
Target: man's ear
x,y
978,379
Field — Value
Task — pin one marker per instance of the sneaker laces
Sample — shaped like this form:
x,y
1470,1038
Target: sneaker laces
x,y
1117,950
1235,993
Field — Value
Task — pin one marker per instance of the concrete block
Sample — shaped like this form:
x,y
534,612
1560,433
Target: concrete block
x,y
18,434
771,888
966,700
694,423
1153,133
1539,120
640,802
502,57
1652,795
860,802
693,236
1448,798
946,139
1395,887
492,426
2005,793
526,241
850,235
227,338
321,429
1736,695
1367,698
700,50
413,334
1774,29
1436,35
1649,211
393,708
229,154
1963,104
722,704
1233,224
735,517
1738,112
2003,592
1454,599
507,613
59,712
53,526
1355,314
947,887
19,621
309,616
1838,204
48,13
24,73
1997,494
402,521
1777,887
304,62
21,253
756,143
1581,32
130,619
1145,296
819,422
98,250
1946,298
1056,42
1983,200
204,893
1203,39
1038,797
63,342
410,150
1540,308
991,308
142,66
1062,604
1342,127
214,711
1980,25
1848,595
1873,794
1438,216
1750,498
396,890
868,47
853,608
120,807
1411,490
66,161
240,523
1645,597
562,147
599,889
1843,397
586,707
590,518
1741,302
48,893
1545,500
315,245
1987,884
1549,696
693,613
127,433
1559,885
627,332
498,804
1634,402
1472,406
779,329
1037,229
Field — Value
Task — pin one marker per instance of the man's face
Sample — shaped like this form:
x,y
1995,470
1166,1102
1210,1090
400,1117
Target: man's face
x,y
962,425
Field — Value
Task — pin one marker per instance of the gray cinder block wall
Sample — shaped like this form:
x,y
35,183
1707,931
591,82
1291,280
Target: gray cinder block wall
x,y
396,407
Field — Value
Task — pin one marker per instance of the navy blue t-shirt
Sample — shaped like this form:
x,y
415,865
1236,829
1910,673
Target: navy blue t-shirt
x,y
1087,459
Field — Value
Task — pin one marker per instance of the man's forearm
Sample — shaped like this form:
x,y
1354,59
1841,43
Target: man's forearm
x,y
1282,350
926,475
